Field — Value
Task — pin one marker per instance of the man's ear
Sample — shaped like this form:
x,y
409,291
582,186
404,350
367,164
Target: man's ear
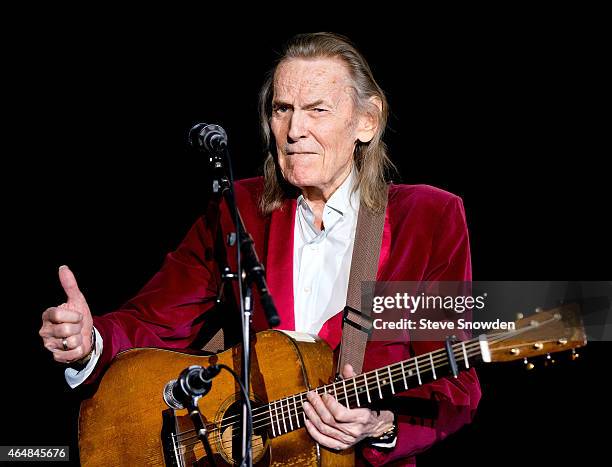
x,y
369,120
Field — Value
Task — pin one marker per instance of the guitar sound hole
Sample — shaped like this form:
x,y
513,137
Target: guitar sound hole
x,y
231,434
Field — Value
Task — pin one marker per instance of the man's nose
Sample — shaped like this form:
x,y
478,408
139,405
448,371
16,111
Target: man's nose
x,y
298,126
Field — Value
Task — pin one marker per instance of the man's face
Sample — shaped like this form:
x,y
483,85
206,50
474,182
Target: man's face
x,y
314,122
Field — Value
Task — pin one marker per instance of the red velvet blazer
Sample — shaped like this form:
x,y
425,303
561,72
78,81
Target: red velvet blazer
x,y
425,238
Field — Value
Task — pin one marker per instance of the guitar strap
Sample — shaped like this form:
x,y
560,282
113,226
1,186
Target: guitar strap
x,y
356,321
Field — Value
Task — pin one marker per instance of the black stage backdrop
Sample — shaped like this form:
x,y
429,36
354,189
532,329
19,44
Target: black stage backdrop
x,y
100,179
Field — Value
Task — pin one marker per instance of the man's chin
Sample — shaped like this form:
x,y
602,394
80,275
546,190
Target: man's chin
x,y
300,183
302,178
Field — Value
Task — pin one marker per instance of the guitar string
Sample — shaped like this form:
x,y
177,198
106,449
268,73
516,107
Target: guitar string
x,y
199,452
263,410
445,362
288,410
293,409
474,342
226,443
352,397
409,365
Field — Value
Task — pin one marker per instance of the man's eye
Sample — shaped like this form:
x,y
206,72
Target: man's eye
x,y
320,110
281,108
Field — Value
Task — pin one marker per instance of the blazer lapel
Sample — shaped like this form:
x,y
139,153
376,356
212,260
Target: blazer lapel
x,y
279,263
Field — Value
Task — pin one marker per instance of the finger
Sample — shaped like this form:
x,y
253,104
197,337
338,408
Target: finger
x,y
324,440
320,408
54,344
71,342
61,330
348,372
70,285
352,422
324,425
64,330
339,412
62,314
69,355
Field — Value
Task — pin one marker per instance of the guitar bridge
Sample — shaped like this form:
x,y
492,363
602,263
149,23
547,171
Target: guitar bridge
x,y
169,439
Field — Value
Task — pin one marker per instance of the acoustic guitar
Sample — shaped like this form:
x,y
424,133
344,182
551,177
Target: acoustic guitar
x,y
126,421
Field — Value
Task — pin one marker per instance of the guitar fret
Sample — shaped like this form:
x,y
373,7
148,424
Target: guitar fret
x,y
277,410
391,380
356,392
345,394
297,415
404,375
271,421
290,420
365,378
433,367
465,357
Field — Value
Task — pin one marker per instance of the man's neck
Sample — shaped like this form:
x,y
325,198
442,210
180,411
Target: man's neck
x,y
317,197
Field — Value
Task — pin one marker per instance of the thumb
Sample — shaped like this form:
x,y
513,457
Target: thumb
x,y
70,285
347,371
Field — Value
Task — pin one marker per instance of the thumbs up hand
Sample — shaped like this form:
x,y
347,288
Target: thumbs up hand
x,y
66,329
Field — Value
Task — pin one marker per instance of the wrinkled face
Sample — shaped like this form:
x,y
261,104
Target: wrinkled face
x,y
314,122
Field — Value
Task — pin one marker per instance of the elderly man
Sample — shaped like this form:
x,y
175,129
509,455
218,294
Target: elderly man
x,y
323,116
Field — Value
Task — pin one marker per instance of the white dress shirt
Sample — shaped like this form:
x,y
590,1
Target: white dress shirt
x,y
322,258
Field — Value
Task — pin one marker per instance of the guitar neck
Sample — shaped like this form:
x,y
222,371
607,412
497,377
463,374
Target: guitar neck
x,y
287,414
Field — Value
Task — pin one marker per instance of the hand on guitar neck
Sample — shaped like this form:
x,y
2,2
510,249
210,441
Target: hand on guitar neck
x,y
335,426
66,329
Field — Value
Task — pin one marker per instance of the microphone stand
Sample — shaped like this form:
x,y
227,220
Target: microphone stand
x,y
188,396
250,272
200,427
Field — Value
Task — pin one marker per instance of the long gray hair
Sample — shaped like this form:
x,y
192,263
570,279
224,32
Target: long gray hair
x,y
371,160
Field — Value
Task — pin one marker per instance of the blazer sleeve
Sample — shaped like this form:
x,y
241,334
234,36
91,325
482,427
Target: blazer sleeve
x,y
454,399
167,312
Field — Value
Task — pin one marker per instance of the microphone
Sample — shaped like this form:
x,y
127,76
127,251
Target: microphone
x,y
194,381
208,137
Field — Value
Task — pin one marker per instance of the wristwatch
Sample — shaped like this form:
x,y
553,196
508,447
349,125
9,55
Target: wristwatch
x,y
388,436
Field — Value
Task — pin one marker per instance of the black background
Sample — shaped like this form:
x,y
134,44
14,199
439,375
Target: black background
x,y
97,176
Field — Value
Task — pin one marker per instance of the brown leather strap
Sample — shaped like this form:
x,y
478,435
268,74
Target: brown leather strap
x,y
357,324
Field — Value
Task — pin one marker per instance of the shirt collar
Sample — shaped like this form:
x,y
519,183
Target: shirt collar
x,y
343,205
342,200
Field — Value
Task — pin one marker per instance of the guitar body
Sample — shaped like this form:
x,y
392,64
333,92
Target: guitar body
x,y
127,422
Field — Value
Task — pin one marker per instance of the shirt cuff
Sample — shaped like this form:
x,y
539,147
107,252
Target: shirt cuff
x,y
76,377
385,445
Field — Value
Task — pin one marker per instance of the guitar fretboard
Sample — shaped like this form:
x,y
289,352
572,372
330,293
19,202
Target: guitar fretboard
x,y
287,414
